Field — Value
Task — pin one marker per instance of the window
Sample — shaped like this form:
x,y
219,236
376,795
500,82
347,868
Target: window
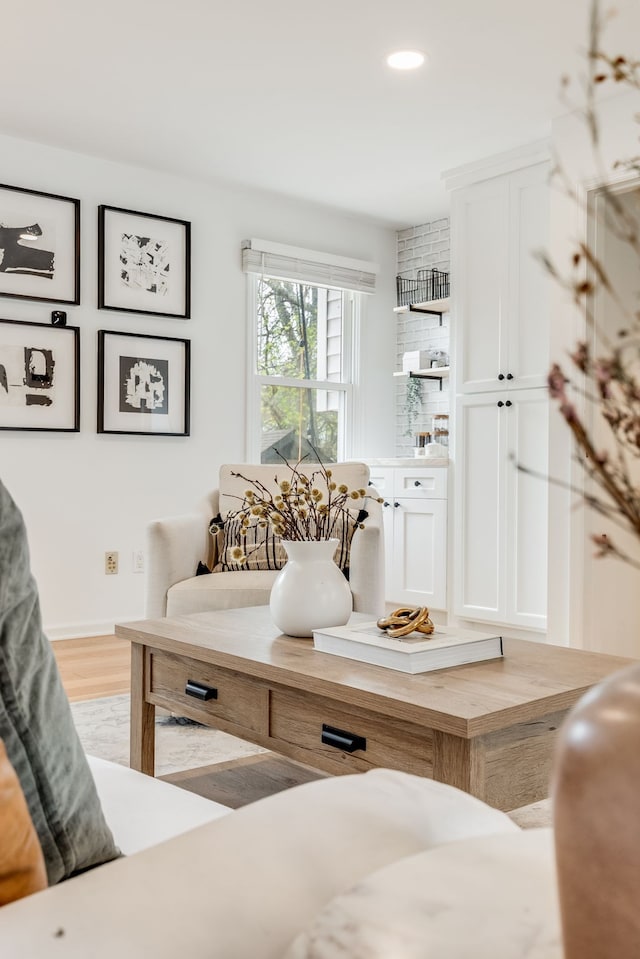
x,y
302,370
305,309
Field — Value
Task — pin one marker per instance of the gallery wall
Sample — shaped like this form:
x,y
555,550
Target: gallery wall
x,y
83,494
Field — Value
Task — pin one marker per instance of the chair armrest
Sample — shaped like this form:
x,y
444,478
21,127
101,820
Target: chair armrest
x,y
366,567
174,547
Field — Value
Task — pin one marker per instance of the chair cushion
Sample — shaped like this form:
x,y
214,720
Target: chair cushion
x,y
220,591
36,724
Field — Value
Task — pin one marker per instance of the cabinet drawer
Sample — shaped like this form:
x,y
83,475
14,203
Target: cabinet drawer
x,y
421,483
298,719
238,699
382,481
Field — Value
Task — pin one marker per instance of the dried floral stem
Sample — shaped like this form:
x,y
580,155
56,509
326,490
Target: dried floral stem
x,y
610,369
306,506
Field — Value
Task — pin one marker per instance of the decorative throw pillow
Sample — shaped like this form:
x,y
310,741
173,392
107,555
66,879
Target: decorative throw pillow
x,y
264,550
22,869
36,724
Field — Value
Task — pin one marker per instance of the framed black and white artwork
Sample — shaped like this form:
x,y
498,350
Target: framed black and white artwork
x,y
39,376
144,263
143,384
39,245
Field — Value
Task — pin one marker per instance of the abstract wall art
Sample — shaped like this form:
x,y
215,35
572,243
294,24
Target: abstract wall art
x,y
143,384
144,263
39,376
39,245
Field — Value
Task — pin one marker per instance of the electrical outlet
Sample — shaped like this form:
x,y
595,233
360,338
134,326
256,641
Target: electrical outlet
x,y
138,561
111,563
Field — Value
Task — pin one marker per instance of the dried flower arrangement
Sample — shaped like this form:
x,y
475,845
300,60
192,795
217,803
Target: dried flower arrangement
x,y
308,505
601,404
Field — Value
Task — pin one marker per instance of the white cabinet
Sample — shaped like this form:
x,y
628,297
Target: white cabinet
x,y
501,511
500,361
415,530
500,288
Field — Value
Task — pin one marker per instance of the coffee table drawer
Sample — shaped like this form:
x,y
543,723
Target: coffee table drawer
x,y
298,719
214,693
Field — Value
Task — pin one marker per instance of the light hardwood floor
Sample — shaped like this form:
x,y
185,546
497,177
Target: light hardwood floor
x,y
93,667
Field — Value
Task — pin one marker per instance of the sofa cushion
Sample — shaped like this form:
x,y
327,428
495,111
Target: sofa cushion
x,y
220,591
489,897
36,723
22,869
143,811
247,884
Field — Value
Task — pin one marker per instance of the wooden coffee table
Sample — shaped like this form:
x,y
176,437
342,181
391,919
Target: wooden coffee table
x,y
488,728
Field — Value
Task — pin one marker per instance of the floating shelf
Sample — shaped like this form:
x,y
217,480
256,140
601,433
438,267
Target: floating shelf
x,y
435,373
436,307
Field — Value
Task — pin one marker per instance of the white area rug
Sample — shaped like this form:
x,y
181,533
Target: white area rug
x,y
103,727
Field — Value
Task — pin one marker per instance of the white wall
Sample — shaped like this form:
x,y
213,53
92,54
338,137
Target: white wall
x,y
82,494
569,599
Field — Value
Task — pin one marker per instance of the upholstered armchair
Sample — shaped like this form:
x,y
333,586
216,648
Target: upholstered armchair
x,y
176,545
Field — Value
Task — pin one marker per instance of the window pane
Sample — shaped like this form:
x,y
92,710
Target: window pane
x,y
299,330
295,421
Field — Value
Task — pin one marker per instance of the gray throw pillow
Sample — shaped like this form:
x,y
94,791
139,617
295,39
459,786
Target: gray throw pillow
x,y
36,723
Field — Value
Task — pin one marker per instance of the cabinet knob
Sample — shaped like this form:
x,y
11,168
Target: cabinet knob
x,y
396,505
508,403
509,376
500,376
386,503
417,483
500,403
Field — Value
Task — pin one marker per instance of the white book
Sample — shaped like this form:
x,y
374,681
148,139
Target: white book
x,y
415,653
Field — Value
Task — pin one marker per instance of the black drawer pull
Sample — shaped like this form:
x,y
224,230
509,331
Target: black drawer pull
x,y
200,691
348,742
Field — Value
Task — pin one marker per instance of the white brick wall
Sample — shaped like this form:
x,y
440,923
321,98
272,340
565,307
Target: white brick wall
x,y
421,247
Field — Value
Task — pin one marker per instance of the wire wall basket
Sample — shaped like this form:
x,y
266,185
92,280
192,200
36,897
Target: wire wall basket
x,y
427,285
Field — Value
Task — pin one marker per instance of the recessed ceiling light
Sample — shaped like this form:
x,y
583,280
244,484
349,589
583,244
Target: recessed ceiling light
x,y
405,59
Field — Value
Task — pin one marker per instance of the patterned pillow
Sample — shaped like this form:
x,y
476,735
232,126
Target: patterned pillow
x,y
263,549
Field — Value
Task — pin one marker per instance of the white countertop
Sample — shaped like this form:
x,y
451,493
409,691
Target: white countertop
x,y
420,462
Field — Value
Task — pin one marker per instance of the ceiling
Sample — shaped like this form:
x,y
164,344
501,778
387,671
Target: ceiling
x,y
293,96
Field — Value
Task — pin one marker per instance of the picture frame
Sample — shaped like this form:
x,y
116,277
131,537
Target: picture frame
x,y
39,376
144,263
39,245
144,384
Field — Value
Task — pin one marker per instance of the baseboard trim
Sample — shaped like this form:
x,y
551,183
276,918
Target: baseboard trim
x,y
79,630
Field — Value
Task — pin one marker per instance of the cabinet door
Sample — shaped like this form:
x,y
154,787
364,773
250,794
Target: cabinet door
x,y
479,287
529,281
381,478
480,535
418,577
527,508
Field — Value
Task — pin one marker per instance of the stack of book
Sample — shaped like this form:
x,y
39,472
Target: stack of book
x,y
415,653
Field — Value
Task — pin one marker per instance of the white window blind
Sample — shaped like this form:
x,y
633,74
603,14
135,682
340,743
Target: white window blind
x,y
308,266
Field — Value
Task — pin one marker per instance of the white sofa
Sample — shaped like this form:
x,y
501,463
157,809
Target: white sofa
x,y
237,884
175,545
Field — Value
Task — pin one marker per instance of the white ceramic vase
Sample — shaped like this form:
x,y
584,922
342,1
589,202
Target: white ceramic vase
x,y
310,591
